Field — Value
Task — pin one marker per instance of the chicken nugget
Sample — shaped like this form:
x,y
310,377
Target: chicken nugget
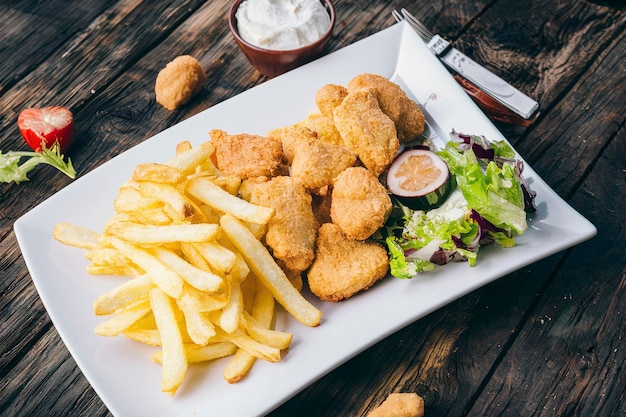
x,y
343,267
316,164
324,127
290,137
394,102
400,404
367,131
328,97
360,204
179,81
247,156
292,231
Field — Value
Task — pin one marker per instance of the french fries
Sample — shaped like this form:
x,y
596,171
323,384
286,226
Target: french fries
x,y
202,286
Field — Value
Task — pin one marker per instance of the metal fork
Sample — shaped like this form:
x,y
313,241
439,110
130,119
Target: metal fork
x,y
492,85
436,43
422,30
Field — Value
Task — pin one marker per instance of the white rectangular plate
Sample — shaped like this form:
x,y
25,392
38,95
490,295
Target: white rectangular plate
x,y
121,371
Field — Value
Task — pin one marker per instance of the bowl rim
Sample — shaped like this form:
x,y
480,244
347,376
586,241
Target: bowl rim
x,y
232,23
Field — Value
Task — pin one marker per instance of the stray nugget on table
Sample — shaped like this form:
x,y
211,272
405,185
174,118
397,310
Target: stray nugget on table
x,y
394,102
315,165
343,267
360,204
247,156
179,81
367,131
328,97
290,137
407,404
291,233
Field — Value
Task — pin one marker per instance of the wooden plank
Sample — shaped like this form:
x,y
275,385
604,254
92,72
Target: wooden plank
x,y
576,334
27,384
447,357
26,23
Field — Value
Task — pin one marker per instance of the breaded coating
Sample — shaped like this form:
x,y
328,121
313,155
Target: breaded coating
x,y
324,127
247,156
360,204
291,233
315,165
328,97
290,137
394,102
179,81
343,267
407,404
367,131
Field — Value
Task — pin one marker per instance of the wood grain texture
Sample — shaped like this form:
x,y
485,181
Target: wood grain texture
x,y
545,340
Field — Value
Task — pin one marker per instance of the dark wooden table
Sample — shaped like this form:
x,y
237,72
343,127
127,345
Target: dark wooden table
x,y
547,340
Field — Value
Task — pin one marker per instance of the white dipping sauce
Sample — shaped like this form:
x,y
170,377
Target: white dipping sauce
x,y
282,24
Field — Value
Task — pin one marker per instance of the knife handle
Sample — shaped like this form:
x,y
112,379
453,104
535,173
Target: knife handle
x,y
494,86
493,109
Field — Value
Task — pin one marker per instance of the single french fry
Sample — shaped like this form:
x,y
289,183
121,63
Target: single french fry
x,y
265,268
238,366
123,295
245,342
168,281
197,354
107,256
173,350
124,318
199,327
115,270
193,256
130,200
202,301
230,316
197,278
228,183
150,337
76,236
178,207
220,258
263,305
262,334
148,234
157,172
188,161
240,270
213,195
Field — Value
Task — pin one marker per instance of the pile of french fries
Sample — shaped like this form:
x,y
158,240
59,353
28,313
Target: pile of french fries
x,y
203,286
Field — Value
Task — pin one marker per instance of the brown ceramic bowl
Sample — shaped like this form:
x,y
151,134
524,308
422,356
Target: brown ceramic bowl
x,y
274,62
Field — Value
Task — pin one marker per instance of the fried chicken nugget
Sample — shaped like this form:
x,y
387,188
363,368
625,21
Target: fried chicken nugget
x,y
343,267
315,165
291,233
328,97
360,204
324,127
179,81
247,156
366,130
394,102
400,404
290,137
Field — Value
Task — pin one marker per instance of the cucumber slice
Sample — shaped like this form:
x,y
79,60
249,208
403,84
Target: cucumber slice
x,y
419,179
